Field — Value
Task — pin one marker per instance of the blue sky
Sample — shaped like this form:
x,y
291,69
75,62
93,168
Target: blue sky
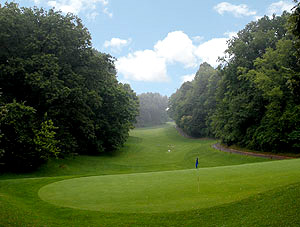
x,y
161,43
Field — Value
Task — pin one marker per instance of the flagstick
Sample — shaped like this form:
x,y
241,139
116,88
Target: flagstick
x,y
197,174
198,182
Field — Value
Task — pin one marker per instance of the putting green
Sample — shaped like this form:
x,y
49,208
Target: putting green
x,y
171,191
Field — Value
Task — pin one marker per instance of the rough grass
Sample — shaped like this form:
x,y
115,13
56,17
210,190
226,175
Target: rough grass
x,y
262,194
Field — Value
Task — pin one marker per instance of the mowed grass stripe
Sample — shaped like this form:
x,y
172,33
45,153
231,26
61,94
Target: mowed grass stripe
x,y
171,191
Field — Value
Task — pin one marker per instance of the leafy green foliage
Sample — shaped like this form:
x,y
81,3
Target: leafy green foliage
x,y
253,99
24,143
240,104
192,105
47,61
152,109
294,21
274,74
45,141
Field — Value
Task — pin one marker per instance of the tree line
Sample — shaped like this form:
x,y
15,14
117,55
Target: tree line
x,y
152,109
253,97
58,94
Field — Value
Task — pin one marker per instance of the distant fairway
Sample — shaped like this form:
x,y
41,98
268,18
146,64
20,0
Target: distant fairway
x,y
152,181
163,148
151,149
171,190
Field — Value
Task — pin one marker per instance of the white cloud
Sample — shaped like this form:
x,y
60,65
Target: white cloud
x,y
143,65
151,65
278,7
236,10
256,18
123,81
116,44
177,47
89,7
230,34
67,6
211,50
188,77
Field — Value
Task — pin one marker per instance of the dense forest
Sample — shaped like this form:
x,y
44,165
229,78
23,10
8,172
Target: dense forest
x,y
58,94
253,98
152,109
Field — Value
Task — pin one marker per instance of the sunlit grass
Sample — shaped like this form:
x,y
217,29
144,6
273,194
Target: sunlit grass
x,y
170,191
152,181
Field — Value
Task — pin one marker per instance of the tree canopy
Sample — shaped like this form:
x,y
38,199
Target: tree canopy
x,y
252,98
48,65
192,104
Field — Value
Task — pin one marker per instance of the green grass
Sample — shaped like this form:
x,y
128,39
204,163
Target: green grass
x,y
145,185
145,151
170,191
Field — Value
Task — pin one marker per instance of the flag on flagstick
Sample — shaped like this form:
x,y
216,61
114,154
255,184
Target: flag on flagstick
x,y
196,163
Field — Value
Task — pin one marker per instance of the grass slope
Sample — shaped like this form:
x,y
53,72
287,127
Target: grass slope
x,y
145,151
257,194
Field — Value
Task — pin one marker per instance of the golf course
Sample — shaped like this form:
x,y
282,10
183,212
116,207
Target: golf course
x,y
152,181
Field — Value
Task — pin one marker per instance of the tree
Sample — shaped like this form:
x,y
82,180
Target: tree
x,y
192,105
294,22
294,28
47,61
240,104
253,98
152,109
25,143
274,75
177,105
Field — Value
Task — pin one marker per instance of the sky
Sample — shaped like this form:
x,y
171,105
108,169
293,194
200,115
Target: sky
x,y
159,44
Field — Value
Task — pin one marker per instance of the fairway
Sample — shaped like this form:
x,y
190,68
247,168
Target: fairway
x,y
149,150
171,190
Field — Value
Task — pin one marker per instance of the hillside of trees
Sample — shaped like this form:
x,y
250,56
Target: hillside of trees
x,y
58,94
152,109
253,98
